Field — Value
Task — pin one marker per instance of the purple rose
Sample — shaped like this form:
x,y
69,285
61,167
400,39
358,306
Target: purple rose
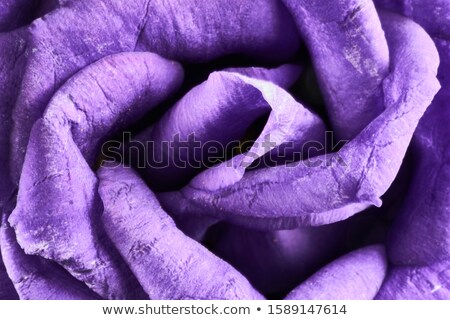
x,y
224,150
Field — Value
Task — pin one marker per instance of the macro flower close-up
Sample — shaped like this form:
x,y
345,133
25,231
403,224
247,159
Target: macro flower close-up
x,y
225,150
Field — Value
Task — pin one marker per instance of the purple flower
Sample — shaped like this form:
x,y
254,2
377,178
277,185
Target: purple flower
x,y
227,185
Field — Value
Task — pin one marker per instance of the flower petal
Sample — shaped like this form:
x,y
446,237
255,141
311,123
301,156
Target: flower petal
x,y
13,13
432,15
7,291
420,234
219,111
276,261
57,180
168,264
12,46
37,278
350,55
283,76
355,276
417,283
333,187
184,30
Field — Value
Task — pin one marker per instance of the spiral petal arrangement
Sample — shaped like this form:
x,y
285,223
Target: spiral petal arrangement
x,y
227,185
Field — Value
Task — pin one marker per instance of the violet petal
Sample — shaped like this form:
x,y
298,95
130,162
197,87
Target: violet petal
x,y
57,180
333,187
357,275
201,31
420,234
37,278
7,291
350,55
220,110
283,76
168,264
276,261
432,15
430,282
12,47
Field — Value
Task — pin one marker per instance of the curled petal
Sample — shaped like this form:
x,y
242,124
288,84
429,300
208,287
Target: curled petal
x,y
37,278
58,208
219,111
355,276
168,264
350,55
200,30
335,186
420,234
283,76
103,99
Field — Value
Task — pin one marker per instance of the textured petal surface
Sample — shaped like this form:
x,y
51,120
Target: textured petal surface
x,y
168,264
335,186
200,30
12,46
430,282
58,210
357,275
350,55
205,29
219,111
421,232
283,76
419,240
37,278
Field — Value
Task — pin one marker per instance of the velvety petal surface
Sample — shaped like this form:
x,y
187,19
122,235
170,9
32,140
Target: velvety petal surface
x,y
432,15
421,232
333,187
58,207
431,282
168,264
190,31
355,276
217,112
36,278
350,55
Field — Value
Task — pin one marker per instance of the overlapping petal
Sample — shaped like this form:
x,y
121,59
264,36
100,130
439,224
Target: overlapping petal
x,y
277,261
168,264
75,72
357,275
58,207
350,55
421,234
37,278
350,180
220,110
196,31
